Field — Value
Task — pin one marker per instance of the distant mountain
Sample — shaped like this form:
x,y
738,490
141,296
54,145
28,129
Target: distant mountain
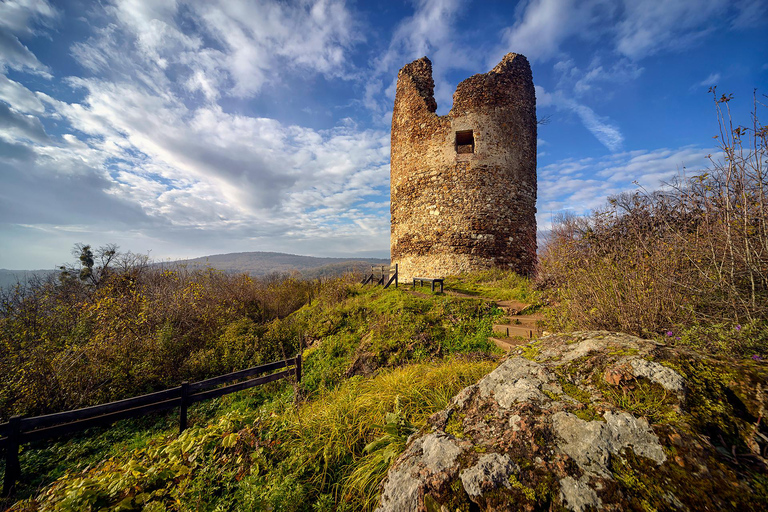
x,y
263,263
253,263
11,277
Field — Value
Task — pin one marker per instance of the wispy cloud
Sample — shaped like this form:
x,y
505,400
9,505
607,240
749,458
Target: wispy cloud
x,y
582,185
430,31
629,31
141,149
636,28
711,80
20,19
19,96
543,26
237,48
601,127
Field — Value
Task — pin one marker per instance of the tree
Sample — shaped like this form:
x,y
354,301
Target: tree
x,y
93,268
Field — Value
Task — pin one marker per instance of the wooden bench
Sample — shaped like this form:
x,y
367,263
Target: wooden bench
x,y
432,280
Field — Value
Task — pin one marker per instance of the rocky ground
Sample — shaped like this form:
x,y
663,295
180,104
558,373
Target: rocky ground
x,y
593,420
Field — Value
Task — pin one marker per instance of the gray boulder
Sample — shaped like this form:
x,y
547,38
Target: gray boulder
x,y
593,421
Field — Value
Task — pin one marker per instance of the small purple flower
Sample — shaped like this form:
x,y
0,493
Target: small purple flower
x,y
757,357
670,334
738,327
677,338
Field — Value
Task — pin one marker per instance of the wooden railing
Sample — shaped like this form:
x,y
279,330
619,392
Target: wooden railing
x,y
383,275
19,430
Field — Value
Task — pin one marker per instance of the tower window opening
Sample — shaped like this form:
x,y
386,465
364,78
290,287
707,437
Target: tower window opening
x,y
465,142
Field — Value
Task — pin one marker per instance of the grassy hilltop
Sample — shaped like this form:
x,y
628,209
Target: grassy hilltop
x,y
685,268
264,446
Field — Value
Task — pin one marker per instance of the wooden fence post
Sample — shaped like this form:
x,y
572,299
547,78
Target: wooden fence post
x,y
184,403
12,467
298,368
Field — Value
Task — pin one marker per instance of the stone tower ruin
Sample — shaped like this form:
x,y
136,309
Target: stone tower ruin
x,y
463,185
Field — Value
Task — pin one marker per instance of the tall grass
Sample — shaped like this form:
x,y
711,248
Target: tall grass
x,y
279,457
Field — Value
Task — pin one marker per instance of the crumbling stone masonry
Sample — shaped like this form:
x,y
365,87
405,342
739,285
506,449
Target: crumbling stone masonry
x,y
463,185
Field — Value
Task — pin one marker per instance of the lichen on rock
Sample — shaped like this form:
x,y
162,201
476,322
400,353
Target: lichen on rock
x,y
491,471
593,420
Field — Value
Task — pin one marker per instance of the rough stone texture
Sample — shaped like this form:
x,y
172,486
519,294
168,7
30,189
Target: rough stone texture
x,y
591,443
490,472
667,378
433,454
578,496
460,207
593,420
517,380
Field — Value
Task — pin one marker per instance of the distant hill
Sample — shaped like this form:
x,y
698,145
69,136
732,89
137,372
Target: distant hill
x,y
253,263
263,263
11,277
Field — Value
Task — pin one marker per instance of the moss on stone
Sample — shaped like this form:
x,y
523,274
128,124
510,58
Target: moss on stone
x,y
532,350
551,395
455,425
642,397
588,414
617,351
529,493
673,486
574,391
717,403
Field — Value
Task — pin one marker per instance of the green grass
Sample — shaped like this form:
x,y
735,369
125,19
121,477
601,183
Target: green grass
x,y
44,462
258,449
496,285
276,456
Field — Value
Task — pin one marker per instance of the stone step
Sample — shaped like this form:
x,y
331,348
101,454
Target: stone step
x,y
512,322
510,330
526,318
508,343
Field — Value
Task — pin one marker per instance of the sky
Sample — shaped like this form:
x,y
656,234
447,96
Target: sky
x,y
184,128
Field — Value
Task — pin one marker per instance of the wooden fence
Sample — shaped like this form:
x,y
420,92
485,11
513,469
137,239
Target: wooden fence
x,y
20,430
382,275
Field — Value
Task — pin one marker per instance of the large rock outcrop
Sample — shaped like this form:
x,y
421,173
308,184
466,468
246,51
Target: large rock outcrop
x,y
593,421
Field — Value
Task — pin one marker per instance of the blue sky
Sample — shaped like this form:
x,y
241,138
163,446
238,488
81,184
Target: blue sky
x,y
185,128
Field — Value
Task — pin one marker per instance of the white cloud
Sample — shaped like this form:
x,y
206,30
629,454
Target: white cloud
x,y
597,74
585,184
21,127
208,169
750,13
601,127
649,26
232,48
19,18
19,96
430,32
636,28
142,152
711,80
543,26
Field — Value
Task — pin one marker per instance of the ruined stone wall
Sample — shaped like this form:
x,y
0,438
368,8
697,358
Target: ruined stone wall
x,y
458,207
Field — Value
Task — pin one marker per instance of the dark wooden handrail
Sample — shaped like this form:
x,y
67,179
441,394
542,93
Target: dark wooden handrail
x,y
97,410
249,372
20,430
213,393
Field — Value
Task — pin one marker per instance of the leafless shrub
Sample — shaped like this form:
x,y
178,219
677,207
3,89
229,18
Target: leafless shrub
x,y
696,251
